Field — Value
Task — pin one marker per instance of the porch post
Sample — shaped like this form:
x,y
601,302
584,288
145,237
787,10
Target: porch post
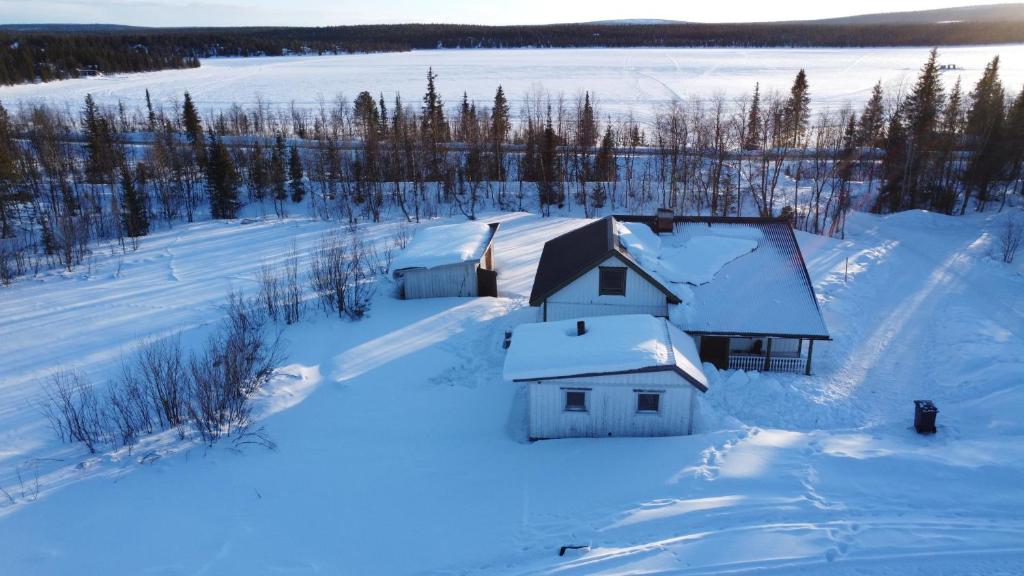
x,y
810,352
768,356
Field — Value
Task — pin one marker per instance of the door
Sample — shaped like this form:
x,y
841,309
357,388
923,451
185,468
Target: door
x,y
487,282
715,349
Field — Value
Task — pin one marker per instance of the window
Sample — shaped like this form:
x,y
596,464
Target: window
x,y
648,402
575,400
612,282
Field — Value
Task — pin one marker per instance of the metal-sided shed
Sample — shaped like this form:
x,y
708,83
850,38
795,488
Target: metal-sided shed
x,y
630,375
448,260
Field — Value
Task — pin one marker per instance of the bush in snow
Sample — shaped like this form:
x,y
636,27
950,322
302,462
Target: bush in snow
x,y
1010,238
342,275
237,362
74,410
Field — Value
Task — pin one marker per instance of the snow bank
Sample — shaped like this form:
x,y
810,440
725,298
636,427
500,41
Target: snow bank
x,y
610,344
445,244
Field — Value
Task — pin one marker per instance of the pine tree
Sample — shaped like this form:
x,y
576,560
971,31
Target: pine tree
x,y
295,176
752,139
797,110
135,217
221,180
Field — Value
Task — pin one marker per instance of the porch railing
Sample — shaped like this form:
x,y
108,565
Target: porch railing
x,y
750,362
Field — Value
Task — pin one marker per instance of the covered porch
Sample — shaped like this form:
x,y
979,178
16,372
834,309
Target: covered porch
x,y
758,352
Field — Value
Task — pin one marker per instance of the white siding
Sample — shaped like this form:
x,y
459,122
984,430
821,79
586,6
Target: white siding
x,y
611,403
581,299
441,281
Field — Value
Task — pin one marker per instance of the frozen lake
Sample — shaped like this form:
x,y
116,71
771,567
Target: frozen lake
x,y
624,80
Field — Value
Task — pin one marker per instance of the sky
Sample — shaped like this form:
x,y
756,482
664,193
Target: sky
x,y
340,12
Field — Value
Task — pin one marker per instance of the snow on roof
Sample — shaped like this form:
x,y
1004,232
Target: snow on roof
x,y
611,344
742,277
445,244
692,261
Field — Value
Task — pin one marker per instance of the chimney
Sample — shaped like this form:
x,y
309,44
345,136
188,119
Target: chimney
x,y
581,327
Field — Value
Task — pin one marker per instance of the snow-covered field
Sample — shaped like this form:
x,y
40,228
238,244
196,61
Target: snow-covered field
x,y
401,450
624,80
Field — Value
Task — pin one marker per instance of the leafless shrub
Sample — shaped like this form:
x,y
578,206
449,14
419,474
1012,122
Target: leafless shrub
x,y
292,290
237,362
270,290
1010,238
361,284
402,235
342,275
329,273
129,408
74,411
161,367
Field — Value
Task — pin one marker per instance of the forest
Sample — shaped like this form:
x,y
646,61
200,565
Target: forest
x,y
71,182
32,54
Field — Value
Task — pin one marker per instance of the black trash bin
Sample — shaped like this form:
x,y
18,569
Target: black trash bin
x,y
924,416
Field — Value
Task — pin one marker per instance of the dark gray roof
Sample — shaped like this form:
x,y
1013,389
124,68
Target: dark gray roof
x,y
572,254
765,293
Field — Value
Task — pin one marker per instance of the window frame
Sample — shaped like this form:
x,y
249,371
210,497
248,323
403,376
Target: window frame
x,y
602,290
586,399
656,393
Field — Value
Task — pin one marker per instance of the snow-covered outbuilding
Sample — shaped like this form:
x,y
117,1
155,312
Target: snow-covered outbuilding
x,y
629,375
448,260
739,286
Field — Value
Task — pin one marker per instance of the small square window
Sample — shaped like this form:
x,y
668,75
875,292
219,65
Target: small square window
x,y
648,402
612,282
575,400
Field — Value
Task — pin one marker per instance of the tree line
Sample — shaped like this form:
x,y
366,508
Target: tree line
x,y
43,55
111,174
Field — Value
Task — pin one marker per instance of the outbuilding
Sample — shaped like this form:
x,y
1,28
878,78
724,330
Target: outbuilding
x,y
448,260
628,375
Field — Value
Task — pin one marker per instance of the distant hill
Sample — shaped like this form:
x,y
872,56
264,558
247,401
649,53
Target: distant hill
x,y
68,28
986,13
636,22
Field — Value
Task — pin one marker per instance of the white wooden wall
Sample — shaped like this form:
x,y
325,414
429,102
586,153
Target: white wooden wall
x,y
611,407
442,281
581,299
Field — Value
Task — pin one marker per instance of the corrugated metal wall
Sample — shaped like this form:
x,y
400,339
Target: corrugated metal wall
x,y
442,281
611,407
581,299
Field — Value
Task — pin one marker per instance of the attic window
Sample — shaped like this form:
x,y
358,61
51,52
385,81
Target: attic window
x,y
612,281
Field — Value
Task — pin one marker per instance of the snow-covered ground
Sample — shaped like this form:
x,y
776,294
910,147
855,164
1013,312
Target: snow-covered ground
x,y
624,80
400,449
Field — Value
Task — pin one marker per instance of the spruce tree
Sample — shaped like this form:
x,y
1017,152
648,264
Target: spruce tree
x,y
922,112
605,165
8,175
278,175
499,132
193,129
797,111
983,135
221,180
295,176
550,185
752,139
135,217
101,156
1013,143
872,119
433,123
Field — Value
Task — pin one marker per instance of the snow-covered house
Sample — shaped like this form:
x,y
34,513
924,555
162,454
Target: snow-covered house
x,y
739,286
448,260
629,375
